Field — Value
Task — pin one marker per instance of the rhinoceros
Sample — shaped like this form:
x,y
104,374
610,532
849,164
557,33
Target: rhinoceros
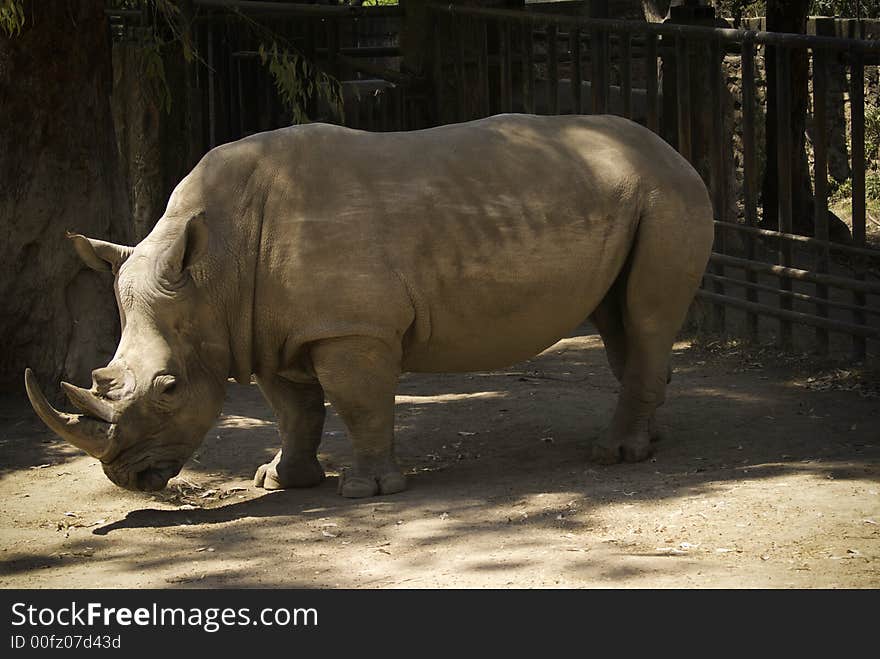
x,y
326,261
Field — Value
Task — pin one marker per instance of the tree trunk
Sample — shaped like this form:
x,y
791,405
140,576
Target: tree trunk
x,y
788,16
157,148
58,171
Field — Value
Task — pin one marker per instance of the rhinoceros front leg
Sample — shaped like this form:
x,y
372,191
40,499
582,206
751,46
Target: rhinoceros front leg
x,y
359,376
299,409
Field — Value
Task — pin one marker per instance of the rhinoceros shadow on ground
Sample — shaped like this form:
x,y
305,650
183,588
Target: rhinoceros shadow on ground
x,y
499,484
483,439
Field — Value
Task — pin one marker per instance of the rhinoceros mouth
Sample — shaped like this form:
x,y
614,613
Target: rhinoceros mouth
x,y
156,477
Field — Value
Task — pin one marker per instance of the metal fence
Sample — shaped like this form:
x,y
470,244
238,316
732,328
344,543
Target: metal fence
x,y
520,61
356,45
679,80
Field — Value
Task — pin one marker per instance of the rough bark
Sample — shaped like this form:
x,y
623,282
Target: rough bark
x,y
788,16
58,171
157,147
138,117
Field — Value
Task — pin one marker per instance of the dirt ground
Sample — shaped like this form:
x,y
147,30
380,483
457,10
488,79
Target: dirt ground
x,y
767,476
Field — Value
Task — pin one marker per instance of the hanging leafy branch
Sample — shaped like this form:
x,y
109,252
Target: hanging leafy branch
x,y
11,17
298,79
849,8
165,26
174,22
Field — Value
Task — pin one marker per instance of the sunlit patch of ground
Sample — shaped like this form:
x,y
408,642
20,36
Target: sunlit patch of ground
x,y
759,481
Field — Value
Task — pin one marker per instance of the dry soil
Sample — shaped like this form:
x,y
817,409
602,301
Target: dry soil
x,y
767,476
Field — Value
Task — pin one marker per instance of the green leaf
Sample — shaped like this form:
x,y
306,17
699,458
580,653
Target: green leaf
x,y
11,17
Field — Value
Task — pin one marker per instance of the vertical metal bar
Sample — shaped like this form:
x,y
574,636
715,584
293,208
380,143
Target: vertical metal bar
x,y
212,89
356,33
240,94
750,171
683,91
718,178
371,111
552,70
483,67
458,30
750,161
332,30
384,106
577,73
505,60
784,177
605,70
599,70
626,73
820,176
403,114
437,73
353,116
651,81
196,100
197,46
502,66
857,120
528,41
311,48
392,103
401,108
595,72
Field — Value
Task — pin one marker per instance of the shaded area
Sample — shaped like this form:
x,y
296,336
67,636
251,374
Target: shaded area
x,y
500,493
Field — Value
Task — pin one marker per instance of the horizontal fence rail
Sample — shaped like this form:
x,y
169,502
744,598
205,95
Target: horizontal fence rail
x,y
676,79
780,266
256,7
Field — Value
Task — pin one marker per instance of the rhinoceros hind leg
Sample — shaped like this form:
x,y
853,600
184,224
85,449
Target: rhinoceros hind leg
x,y
608,319
299,409
658,288
359,376
614,447
356,486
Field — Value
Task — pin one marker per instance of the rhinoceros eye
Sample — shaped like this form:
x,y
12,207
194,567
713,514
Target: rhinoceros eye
x,y
165,384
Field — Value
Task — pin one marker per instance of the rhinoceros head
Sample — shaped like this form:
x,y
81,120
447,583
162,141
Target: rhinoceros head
x,y
150,407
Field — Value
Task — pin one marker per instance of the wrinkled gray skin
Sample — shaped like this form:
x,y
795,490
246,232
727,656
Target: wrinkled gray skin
x,y
326,261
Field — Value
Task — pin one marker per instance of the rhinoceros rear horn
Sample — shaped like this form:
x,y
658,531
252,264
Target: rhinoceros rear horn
x,y
98,254
89,434
93,405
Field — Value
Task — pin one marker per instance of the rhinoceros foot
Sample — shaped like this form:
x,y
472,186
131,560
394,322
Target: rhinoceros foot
x,y
357,484
632,448
278,476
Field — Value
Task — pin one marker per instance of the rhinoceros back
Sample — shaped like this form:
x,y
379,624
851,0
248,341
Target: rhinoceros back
x,y
475,245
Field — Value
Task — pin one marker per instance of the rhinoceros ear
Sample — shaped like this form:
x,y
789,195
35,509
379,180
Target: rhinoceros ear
x,y
98,254
187,248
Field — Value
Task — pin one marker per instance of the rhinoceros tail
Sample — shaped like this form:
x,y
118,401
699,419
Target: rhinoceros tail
x,y
420,329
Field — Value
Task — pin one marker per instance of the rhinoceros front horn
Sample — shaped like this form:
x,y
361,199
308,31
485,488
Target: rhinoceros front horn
x,y
86,433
